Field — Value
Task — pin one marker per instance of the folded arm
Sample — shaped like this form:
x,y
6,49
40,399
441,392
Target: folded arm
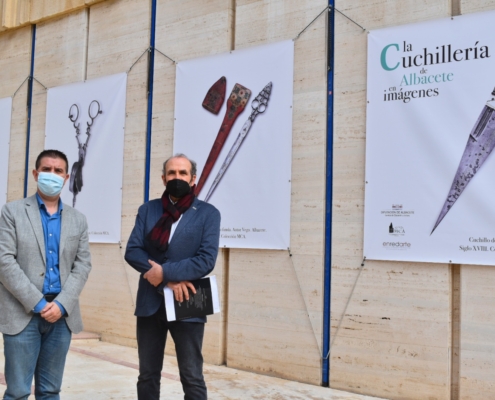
x,y
203,262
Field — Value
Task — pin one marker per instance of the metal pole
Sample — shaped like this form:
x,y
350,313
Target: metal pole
x,y
328,202
29,107
151,71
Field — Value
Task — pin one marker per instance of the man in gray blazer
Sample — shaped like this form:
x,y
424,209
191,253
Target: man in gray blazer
x,y
44,264
174,241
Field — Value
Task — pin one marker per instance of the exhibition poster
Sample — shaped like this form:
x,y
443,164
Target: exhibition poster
x,y
430,134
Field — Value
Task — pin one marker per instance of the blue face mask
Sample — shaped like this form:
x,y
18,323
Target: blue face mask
x,y
50,184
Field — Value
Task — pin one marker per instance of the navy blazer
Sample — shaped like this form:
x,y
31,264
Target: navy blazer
x,y
191,254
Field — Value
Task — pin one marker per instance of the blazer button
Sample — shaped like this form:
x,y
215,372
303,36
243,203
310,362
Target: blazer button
x,y
42,274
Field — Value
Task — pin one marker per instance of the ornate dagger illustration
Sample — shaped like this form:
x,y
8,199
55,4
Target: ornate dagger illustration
x,y
480,144
235,105
259,106
215,96
76,176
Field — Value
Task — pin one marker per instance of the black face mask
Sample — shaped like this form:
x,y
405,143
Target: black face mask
x,y
178,188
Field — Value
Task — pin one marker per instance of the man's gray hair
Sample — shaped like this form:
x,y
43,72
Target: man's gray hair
x,y
181,155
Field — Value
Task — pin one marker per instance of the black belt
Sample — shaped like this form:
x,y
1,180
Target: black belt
x,y
50,297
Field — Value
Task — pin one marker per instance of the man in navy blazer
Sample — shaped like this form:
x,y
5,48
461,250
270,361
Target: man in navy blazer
x,y
174,241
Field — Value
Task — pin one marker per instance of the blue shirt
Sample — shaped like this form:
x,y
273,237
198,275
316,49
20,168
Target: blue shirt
x,y
51,232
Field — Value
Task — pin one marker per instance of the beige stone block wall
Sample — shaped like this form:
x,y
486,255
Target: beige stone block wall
x,y
15,64
477,334
43,9
13,13
270,331
472,6
394,338
390,321
17,13
117,36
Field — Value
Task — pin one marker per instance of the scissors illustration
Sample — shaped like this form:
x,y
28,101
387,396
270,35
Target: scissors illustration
x,y
258,105
76,176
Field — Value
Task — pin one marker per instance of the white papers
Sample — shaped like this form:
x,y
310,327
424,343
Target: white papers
x,y
204,302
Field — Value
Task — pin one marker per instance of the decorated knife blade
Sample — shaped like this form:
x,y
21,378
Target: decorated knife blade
x,y
480,144
235,105
259,106
216,95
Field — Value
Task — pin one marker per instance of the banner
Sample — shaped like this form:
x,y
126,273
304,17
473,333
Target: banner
x,y
5,116
430,133
86,121
233,116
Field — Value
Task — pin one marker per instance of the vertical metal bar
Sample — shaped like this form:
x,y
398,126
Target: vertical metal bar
x,y
29,107
328,200
151,71
455,302
455,309
86,45
225,305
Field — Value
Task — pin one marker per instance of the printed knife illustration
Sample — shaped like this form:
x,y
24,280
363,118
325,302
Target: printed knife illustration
x,y
215,96
480,144
235,105
259,106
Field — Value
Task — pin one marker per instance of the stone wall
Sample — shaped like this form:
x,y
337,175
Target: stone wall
x,y
398,330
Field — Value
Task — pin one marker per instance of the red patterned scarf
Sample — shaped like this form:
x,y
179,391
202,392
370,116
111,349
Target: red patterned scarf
x,y
160,233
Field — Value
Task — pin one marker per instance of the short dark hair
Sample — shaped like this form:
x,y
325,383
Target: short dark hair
x,y
180,155
52,154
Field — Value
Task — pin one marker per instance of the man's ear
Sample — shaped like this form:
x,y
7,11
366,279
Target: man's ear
x,y
35,175
193,180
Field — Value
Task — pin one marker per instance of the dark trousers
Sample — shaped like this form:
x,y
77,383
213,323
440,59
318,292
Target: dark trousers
x,y
151,338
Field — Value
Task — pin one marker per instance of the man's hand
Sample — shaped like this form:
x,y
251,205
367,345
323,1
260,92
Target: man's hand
x,y
154,274
180,290
51,312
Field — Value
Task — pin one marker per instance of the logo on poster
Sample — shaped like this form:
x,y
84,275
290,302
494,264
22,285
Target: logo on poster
x,y
396,230
397,245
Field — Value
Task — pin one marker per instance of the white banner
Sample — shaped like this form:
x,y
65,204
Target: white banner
x,y
253,193
429,137
5,116
86,121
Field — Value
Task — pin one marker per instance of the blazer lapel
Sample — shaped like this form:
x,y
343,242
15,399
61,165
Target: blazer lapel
x,y
33,213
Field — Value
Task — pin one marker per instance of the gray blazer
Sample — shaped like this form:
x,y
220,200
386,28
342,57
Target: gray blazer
x,y
23,264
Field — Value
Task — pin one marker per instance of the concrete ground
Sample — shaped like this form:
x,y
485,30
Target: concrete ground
x,y
97,370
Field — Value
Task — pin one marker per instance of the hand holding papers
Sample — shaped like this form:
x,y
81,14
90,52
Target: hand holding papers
x,y
203,302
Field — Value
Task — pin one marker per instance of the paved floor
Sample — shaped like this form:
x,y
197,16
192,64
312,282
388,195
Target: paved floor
x,y
99,371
